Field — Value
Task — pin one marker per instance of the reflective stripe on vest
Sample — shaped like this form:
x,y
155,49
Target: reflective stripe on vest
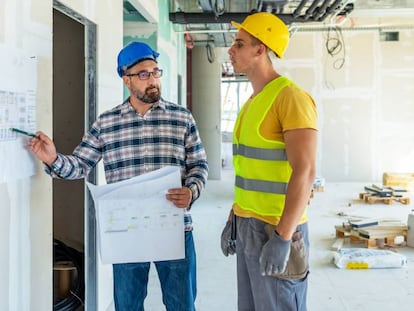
x,y
261,185
260,153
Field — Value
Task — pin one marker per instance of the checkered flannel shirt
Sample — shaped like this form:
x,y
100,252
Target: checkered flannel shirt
x,y
130,145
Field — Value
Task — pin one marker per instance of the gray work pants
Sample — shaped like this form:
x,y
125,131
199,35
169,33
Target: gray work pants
x,y
264,293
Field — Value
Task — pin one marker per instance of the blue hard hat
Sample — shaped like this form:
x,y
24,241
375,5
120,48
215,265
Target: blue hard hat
x,y
133,53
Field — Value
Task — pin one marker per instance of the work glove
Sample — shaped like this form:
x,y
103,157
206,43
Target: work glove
x,y
228,238
274,256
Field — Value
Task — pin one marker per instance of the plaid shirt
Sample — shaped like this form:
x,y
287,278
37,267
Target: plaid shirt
x,y
131,145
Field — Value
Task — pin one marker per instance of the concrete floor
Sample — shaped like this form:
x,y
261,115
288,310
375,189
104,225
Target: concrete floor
x,y
330,288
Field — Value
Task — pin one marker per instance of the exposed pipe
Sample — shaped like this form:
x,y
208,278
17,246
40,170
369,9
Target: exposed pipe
x,y
205,5
259,6
206,18
313,28
195,31
299,8
311,9
320,11
339,10
330,9
226,18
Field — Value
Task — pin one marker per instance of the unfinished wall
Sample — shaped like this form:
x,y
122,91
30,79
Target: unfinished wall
x,y
26,204
363,92
365,106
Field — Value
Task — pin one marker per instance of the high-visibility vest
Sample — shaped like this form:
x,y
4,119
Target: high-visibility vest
x,y
261,167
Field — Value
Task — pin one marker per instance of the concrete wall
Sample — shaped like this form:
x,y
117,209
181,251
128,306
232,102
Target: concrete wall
x,y
206,105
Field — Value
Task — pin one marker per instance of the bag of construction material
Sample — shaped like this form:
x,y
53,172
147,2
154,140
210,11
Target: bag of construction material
x,y
364,258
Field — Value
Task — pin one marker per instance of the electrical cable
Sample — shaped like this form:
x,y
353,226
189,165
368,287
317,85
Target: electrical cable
x,y
62,252
211,56
335,45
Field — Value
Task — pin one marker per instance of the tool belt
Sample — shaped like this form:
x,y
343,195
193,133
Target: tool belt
x,y
298,263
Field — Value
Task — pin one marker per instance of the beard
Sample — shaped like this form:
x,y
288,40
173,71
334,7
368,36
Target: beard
x,y
149,96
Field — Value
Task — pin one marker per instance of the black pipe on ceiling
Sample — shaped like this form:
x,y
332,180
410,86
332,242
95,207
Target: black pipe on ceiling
x,y
206,18
309,12
334,6
226,18
320,11
299,8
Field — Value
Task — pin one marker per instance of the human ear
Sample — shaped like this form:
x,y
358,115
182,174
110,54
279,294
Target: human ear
x,y
261,50
126,80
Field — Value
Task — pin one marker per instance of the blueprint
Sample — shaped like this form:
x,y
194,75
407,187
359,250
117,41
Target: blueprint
x,y
136,223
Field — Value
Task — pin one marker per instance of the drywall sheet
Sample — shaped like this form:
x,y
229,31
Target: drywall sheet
x,y
347,136
136,222
18,110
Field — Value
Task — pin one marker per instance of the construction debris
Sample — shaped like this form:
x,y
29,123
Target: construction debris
x,y
385,195
372,233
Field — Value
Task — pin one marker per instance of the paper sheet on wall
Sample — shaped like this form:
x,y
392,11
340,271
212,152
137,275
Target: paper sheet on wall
x,y
17,109
136,223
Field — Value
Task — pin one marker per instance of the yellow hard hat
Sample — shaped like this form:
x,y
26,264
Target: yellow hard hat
x,y
269,29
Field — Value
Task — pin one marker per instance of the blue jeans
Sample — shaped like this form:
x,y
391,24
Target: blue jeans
x,y
177,279
264,293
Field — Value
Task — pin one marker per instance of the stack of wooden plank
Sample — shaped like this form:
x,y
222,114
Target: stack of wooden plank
x,y
385,195
372,233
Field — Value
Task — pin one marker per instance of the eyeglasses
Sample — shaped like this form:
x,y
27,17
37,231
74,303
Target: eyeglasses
x,y
145,75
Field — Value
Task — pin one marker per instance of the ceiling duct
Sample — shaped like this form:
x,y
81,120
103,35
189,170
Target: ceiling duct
x,y
210,20
291,11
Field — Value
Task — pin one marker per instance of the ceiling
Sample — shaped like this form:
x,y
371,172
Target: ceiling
x,y
207,22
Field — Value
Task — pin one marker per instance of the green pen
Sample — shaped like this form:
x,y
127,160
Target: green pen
x,y
13,129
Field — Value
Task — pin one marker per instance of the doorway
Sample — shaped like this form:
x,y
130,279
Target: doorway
x,y
74,108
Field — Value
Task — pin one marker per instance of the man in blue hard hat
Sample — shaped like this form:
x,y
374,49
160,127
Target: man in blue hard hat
x,y
142,134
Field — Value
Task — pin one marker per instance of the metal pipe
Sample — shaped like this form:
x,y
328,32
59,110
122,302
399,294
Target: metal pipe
x,y
299,8
206,18
330,9
205,5
226,18
320,11
197,31
339,10
311,9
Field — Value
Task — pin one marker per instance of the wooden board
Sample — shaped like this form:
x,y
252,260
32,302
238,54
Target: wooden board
x,y
371,199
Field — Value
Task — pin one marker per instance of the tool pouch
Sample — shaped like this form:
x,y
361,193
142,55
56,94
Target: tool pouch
x,y
298,263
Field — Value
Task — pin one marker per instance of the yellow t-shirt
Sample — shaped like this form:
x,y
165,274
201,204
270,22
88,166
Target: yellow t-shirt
x,y
293,109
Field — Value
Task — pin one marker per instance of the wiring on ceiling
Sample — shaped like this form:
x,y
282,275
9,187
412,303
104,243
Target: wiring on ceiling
x,y
211,56
335,46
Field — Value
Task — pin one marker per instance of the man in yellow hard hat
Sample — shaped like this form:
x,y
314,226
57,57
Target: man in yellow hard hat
x,y
274,151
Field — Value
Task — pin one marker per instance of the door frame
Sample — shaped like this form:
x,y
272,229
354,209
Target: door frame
x,y
90,229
